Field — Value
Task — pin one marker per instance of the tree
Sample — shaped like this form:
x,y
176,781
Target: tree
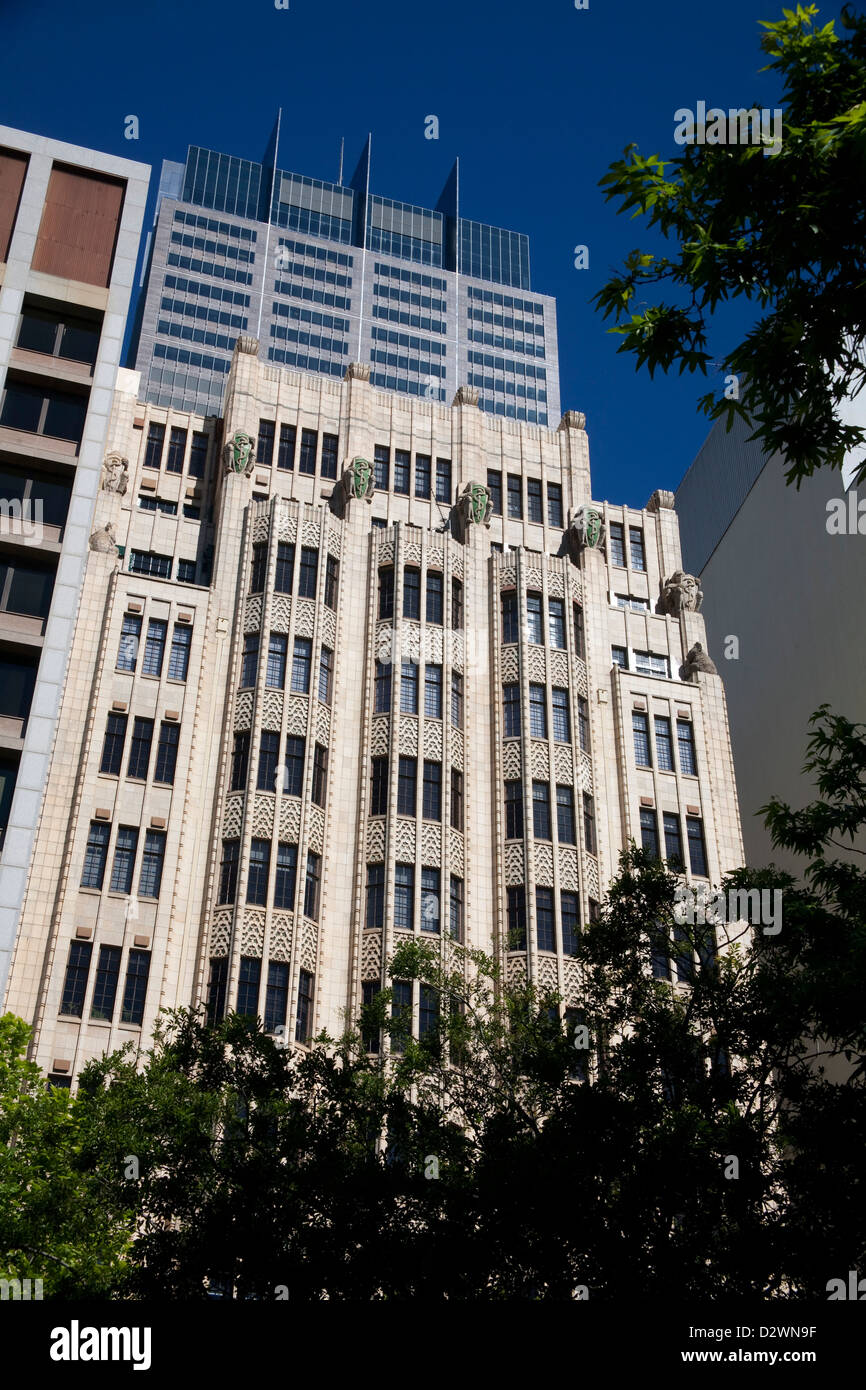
x,y
781,231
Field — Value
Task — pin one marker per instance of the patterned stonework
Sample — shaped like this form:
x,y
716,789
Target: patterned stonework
x,y
232,816
511,760
323,724
457,749
263,814
272,710
412,553
309,945
456,855
563,762
296,718
329,627
514,870
590,874
290,819
305,617
548,977
568,870
555,584
375,841
281,613
371,956
385,555
253,614
287,526
380,736
509,664
253,933
431,845
409,736
311,534
536,664
571,981
540,754
515,970
280,944
316,828
507,577
261,527
432,739
244,711
220,933
405,841
544,865
585,771
559,668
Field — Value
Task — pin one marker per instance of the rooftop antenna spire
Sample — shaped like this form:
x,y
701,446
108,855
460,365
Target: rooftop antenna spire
x,y
340,175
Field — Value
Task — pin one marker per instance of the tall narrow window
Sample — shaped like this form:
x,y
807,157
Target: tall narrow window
x,y
382,466
664,744
589,823
95,855
428,1011
554,504
556,622
411,593
154,647
409,687
434,596
326,675
516,917
640,731
265,443
456,799
286,448
407,777
697,848
309,440
276,996
379,787
124,859
275,676
616,544
135,987
332,580
155,441
431,910
402,466
561,718
686,746
176,450
401,1014
457,699
404,897
541,810
494,487
75,981
375,915
511,710
649,831
456,603
533,500
105,983
433,691
537,712
330,444
228,885
579,643
139,749
534,619
514,810
619,657
285,567
308,577
583,723
422,475
258,567
636,548
257,877
152,860
320,775
443,480
198,456
216,989
240,761
304,1021
130,636
178,657
285,878
382,697
545,926
311,886
370,991
456,906
515,497
249,980
269,752
301,661
112,746
565,826
510,621
386,593
673,839
569,923
432,791
293,767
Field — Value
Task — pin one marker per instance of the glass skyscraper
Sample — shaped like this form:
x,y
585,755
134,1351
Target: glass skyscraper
x,y
324,274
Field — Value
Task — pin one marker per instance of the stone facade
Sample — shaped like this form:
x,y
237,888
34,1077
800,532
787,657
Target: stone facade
x,y
327,796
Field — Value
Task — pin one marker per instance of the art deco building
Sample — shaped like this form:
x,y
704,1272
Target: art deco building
x,y
343,673
70,220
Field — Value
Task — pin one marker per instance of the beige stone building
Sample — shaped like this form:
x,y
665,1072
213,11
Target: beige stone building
x,y
351,665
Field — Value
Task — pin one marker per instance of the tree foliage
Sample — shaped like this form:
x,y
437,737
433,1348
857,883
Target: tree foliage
x,y
783,232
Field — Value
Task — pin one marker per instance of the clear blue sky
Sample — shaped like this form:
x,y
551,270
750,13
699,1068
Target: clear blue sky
x,y
536,98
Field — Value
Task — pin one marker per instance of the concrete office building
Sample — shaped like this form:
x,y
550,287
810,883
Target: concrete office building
x,y
344,672
70,222
784,579
330,273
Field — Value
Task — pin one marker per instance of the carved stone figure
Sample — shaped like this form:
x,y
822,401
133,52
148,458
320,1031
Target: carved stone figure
x,y
358,371
115,474
103,539
466,395
572,420
238,453
249,344
473,507
697,660
681,594
359,478
585,531
661,500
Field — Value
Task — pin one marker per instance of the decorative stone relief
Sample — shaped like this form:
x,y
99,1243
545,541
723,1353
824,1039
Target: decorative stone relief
x,y
563,762
697,660
253,933
263,815
540,758
309,945
559,668
511,760
380,737
386,553
305,617
544,865
115,474
457,749
328,621
375,841
323,724
409,737
405,841
261,527
571,981
514,870
103,540
432,739
509,664
280,944
232,816
572,420
661,501
568,870
584,768
220,936
244,711
287,526
316,828
358,371
311,533
515,970
357,484
371,956
590,876
272,710
456,852
412,553
536,663
466,395
253,614
431,844
548,975
586,531
680,594
238,453
296,722
290,818
473,507
281,612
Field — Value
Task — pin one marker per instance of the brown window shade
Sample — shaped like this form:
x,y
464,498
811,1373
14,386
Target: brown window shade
x,y
13,167
79,226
